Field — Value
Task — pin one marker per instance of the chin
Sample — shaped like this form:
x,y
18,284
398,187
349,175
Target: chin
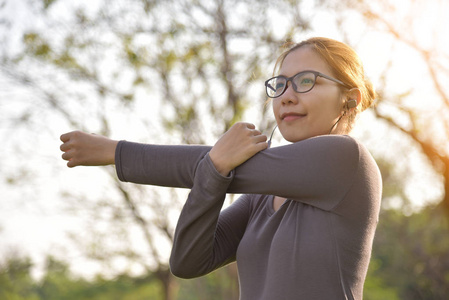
x,y
294,137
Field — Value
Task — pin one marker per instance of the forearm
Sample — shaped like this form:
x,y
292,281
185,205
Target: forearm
x,y
171,166
175,166
196,248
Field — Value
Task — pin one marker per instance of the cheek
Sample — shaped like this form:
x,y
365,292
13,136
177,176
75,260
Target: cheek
x,y
329,104
324,111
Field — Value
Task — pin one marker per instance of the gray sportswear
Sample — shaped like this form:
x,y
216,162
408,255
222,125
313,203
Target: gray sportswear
x,y
316,246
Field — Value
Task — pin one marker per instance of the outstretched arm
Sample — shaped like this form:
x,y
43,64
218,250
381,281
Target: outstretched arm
x,y
305,171
235,147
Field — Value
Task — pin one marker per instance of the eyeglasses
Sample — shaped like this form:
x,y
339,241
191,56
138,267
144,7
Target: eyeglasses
x,y
301,83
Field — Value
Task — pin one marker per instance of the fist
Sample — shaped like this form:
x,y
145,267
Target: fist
x,y
84,149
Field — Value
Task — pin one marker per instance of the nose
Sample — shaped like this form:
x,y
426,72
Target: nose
x,y
289,96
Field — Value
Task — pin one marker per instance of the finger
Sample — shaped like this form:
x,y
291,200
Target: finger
x,y
262,137
256,132
65,137
243,125
67,155
71,161
249,125
261,146
257,147
65,147
71,164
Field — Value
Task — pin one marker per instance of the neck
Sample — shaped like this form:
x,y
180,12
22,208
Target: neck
x,y
336,123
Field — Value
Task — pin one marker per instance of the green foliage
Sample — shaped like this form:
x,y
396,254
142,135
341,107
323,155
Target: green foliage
x,y
220,284
48,3
410,261
15,280
410,256
58,283
184,52
36,45
376,288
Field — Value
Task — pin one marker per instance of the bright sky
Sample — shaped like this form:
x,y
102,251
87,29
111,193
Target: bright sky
x,y
38,230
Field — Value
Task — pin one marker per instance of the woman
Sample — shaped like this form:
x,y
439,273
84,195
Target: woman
x,y
305,225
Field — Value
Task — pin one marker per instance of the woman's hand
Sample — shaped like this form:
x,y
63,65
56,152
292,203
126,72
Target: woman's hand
x,y
237,145
83,149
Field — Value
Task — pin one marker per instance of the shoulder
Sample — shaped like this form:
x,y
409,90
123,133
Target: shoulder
x,y
338,149
344,147
356,158
333,142
344,153
325,153
353,147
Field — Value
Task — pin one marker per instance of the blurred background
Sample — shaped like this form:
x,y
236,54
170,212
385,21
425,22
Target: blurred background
x,y
183,71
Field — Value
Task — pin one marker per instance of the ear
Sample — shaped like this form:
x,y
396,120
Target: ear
x,y
354,94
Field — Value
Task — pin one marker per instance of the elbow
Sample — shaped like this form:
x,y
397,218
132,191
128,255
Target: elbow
x,y
182,270
187,264
177,270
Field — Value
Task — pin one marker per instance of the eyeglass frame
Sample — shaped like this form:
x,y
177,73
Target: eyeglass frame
x,y
317,74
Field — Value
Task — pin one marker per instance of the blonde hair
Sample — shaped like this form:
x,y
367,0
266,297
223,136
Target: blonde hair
x,y
345,65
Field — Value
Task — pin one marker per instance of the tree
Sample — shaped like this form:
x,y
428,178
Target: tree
x,y
169,72
410,252
416,266
425,125
57,282
108,59
15,279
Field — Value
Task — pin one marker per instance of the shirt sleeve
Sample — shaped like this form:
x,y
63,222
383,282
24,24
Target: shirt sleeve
x,y
206,239
317,171
162,165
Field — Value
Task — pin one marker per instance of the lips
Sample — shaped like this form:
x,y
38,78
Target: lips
x,y
291,116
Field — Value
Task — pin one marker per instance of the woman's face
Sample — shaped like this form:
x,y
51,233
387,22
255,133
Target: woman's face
x,y
303,115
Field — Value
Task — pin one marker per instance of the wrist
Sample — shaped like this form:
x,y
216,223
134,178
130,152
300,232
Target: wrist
x,y
110,152
219,164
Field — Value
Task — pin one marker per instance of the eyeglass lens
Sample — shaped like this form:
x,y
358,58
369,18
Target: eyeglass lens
x,y
301,83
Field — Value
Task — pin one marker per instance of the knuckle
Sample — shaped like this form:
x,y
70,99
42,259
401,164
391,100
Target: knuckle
x,y
76,134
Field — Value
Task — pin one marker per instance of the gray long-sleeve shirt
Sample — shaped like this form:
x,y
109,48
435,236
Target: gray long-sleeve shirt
x,y
316,246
